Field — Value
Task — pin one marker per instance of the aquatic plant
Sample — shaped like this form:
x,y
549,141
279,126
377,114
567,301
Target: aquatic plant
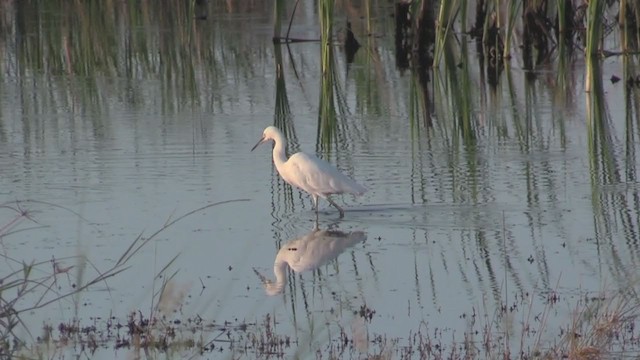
x,y
594,30
601,325
33,285
444,27
514,7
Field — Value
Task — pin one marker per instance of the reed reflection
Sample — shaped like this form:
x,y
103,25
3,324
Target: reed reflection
x,y
283,120
307,253
611,172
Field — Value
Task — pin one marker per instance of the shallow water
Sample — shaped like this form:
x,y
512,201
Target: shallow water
x,y
107,149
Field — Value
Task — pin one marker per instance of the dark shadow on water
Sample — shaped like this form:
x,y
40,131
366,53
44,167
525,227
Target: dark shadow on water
x,y
351,44
201,11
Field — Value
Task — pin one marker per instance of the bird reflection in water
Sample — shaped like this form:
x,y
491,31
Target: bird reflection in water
x,y
308,253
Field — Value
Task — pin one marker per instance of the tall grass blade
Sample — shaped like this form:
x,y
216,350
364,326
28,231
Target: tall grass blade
x,y
594,32
282,118
444,27
514,9
279,7
327,115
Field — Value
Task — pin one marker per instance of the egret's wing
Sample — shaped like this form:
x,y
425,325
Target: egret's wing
x,y
317,176
317,248
313,174
292,252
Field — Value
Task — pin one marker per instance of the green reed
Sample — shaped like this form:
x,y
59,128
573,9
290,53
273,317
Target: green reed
x,y
282,113
327,112
562,92
601,158
455,123
516,115
512,19
418,106
561,9
279,9
459,92
325,11
636,16
622,19
332,103
282,117
594,31
563,72
420,122
629,19
447,12
93,41
370,88
595,18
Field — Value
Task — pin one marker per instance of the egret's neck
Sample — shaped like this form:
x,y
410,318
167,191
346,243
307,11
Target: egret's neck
x,y
279,154
280,270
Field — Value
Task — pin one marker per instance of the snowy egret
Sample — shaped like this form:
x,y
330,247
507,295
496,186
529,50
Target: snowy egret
x,y
308,173
308,252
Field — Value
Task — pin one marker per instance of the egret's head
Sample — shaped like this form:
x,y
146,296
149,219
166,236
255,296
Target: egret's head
x,y
270,287
270,133
273,289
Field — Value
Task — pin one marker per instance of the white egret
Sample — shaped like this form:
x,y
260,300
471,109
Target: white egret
x,y
308,252
308,173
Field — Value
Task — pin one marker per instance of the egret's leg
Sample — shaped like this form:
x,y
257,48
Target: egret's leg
x,y
315,204
336,206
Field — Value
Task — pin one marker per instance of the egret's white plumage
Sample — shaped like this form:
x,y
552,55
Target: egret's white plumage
x,y
308,253
309,173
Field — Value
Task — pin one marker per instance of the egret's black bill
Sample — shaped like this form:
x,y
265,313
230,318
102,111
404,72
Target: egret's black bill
x,y
256,145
